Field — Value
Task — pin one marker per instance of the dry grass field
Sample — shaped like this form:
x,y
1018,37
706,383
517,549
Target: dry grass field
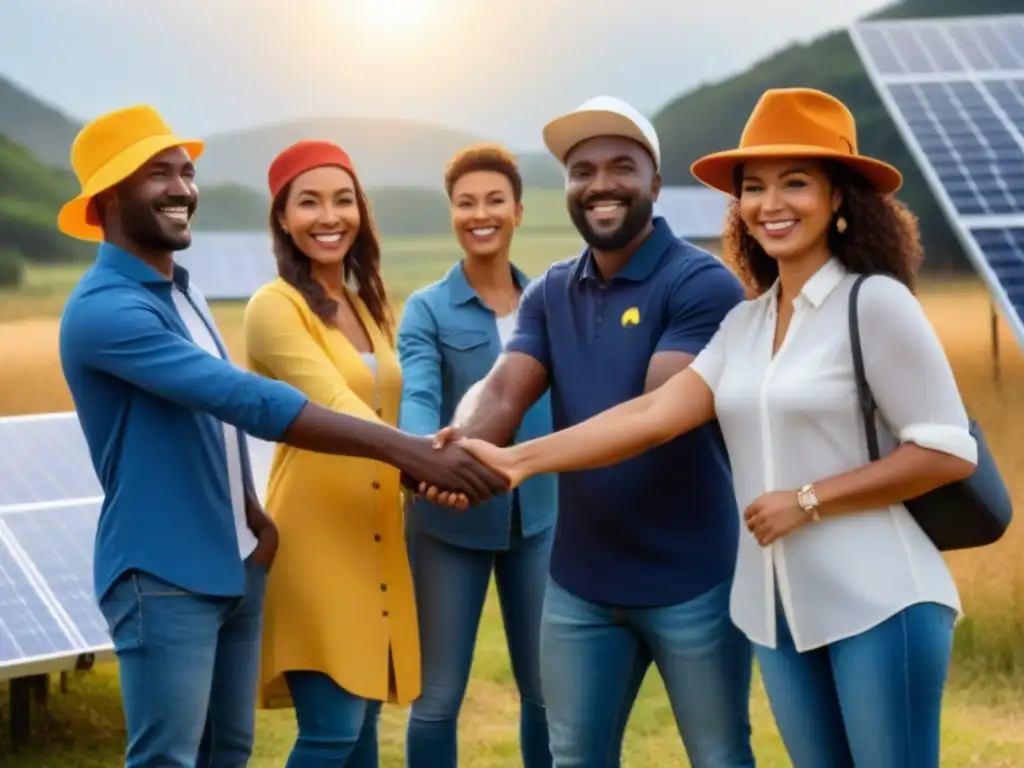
x,y
983,721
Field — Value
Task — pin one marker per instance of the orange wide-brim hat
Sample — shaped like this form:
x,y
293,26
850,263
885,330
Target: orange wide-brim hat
x,y
109,150
797,123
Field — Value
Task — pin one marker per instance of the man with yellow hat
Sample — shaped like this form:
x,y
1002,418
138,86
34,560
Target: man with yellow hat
x,y
183,547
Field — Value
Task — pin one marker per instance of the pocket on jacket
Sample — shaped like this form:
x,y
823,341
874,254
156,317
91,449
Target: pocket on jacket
x,y
463,339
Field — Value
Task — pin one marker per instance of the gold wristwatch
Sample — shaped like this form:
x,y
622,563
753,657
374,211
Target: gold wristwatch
x,y
808,501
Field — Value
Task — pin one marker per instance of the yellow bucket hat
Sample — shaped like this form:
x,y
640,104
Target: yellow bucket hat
x,y
109,150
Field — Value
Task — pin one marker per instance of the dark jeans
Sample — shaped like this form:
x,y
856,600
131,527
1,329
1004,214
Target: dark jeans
x,y
189,667
451,588
873,700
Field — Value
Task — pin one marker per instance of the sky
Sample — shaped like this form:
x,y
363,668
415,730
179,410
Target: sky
x,y
500,70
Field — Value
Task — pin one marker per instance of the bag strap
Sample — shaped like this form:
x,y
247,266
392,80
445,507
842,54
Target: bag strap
x,y
864,397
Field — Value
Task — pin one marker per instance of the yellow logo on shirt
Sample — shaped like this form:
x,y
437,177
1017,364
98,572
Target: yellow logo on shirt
x,y
631,317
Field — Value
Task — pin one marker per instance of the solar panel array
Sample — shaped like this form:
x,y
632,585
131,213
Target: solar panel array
x,y
49,506
696,213
229,265
955,89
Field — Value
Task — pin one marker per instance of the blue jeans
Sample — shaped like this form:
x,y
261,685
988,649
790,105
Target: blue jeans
x,y
189,667
336,728
873,700
594,658
451,587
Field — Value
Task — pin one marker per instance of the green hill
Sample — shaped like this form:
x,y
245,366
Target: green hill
x,y
712,117
31,193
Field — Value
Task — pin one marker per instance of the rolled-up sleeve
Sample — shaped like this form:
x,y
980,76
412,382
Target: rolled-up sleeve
x,y
908,372
128,340
420,358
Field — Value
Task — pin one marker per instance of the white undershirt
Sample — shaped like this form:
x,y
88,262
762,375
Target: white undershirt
x,y
371,361
201,337
506,325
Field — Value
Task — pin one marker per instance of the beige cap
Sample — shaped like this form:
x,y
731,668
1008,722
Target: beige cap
x,y
600,116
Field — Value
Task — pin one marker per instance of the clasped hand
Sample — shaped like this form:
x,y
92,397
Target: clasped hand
x,y
489,458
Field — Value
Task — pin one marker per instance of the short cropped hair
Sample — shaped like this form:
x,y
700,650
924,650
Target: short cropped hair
x,y
484,157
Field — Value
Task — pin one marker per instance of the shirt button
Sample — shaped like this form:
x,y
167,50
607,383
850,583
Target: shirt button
x,y
383,587
376,485
384,614
376,537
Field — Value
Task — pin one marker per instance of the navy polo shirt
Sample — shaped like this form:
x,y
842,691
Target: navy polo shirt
x,y
663,527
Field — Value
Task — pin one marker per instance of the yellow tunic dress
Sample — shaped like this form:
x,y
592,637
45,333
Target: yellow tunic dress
x,y
339,596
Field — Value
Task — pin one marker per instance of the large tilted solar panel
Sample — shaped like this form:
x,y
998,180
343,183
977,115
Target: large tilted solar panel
x,y
49,507
955,90
693,212
229,265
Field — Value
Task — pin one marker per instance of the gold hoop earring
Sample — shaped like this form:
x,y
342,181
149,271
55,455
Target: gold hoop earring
x,y
840,225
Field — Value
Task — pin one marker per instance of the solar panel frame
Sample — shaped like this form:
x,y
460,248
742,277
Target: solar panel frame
x,y
983,75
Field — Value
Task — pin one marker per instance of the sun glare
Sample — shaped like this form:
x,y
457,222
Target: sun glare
x,y
391,18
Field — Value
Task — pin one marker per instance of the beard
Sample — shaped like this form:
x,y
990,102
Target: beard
x,y
639,211
144,225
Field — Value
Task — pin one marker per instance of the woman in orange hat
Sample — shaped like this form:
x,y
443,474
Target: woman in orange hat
x,y
848,602
340,633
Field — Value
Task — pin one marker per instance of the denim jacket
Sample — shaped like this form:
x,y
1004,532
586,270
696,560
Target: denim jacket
x,y
447,341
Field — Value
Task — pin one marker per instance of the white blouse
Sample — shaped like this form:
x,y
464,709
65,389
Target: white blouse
x,y
795,419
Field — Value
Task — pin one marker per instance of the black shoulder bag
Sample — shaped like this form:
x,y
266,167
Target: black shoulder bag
x,y
961,515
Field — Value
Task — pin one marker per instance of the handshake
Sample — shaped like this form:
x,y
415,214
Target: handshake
x,y
455,471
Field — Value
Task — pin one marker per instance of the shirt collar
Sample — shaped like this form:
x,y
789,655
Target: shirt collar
x,y
818,286
823,282
134,268
641,264
461,292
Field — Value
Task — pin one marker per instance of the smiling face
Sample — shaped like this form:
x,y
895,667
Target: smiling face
x,y
321,214
611,187
484,213
787,206
155,204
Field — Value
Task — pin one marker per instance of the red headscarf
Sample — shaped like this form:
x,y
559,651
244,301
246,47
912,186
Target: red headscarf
x,y
304,156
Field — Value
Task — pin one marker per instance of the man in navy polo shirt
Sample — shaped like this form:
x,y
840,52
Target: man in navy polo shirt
x,y
644,551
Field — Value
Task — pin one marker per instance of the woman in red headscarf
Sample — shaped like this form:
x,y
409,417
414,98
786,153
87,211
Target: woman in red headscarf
x,y
340,633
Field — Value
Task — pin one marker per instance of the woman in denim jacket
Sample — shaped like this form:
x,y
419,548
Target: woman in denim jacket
x,y
450,335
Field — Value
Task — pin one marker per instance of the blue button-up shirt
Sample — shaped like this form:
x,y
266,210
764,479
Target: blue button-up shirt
x,y
662,527
151,404
448,341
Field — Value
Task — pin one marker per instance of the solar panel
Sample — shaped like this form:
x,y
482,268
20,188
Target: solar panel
x,y
955,90
29,629
693,212
45,459
49,507
55,543
229,265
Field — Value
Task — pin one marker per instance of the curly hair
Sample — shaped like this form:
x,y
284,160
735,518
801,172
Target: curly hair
x,y
484,157
362,263
881,237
